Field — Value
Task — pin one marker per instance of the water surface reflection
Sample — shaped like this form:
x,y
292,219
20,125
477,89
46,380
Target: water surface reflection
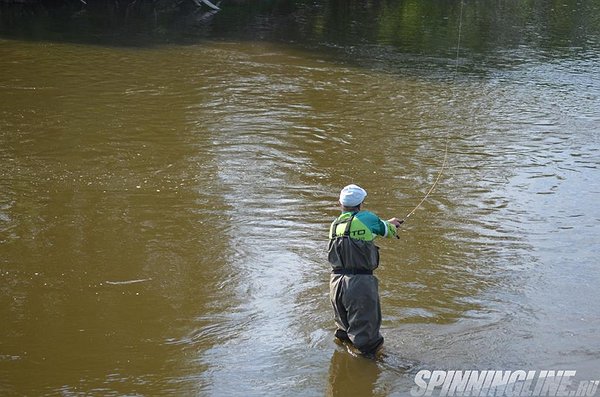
x,y
163,215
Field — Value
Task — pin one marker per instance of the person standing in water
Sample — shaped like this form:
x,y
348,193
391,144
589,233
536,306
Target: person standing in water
x,y
353,289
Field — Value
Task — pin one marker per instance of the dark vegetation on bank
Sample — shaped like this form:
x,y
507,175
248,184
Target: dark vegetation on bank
x,y
410,26
137,22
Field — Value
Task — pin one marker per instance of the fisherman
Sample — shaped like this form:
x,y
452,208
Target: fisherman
x,y
353,289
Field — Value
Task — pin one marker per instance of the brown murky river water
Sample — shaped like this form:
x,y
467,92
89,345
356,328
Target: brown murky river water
x,y
164,215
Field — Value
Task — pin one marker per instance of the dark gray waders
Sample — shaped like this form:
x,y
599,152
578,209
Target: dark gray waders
x,y
355,301
354,290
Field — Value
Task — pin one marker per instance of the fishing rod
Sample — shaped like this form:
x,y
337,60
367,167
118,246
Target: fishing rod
x,y
444,162
432,186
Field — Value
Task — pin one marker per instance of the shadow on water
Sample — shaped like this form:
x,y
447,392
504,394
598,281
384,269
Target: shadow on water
x,y
343,380
352,375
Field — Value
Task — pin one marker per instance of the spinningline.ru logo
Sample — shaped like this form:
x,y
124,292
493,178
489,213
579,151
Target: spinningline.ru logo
x,y
557,383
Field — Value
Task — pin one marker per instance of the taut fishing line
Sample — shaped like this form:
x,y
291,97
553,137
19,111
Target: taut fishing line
x,y
447,134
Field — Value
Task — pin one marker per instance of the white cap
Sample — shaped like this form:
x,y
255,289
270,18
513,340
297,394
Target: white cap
x,y
352,195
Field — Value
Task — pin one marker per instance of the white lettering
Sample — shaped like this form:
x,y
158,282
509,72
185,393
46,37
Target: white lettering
x,y
540,383
582,388
459,383
487,383
437,379
475,382
592,388
499,383
526,387
421,386
565,383
551,384
447,383
515,377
